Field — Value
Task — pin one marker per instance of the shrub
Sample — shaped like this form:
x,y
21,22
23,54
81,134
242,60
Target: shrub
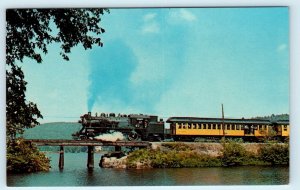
x,y
233,153
141,155
194,159
25,157
184,158
276,154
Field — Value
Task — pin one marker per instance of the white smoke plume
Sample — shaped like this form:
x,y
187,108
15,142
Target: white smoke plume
x,y
115,136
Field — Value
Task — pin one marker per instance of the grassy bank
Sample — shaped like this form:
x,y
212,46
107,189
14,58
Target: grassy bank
x,y
177,155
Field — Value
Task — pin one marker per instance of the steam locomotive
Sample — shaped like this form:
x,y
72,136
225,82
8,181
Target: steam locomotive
x,y
149,128
134,126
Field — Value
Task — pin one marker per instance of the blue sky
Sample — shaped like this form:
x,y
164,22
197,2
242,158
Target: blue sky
x,y
171,62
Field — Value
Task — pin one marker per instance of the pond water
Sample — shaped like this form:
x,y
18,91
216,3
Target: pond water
x,y
75,173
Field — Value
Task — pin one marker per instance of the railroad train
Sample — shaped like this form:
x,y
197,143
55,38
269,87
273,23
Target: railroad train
x,y
150,128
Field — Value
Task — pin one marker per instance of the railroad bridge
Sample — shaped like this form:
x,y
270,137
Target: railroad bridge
x,y
89,143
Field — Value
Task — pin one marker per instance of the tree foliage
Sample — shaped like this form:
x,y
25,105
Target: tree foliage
x,y
29,31
20,114
233,153
274,117
276,154
24,157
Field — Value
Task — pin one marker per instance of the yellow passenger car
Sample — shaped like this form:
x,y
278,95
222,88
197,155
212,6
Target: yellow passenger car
x,y
191,128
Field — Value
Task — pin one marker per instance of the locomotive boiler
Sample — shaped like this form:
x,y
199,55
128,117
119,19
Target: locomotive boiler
x,y
133,127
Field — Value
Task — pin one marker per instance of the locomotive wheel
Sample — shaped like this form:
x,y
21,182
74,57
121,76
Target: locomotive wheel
x,y
132,136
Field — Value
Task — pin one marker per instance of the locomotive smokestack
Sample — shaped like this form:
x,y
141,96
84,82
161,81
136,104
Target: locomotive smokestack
x,y
89,114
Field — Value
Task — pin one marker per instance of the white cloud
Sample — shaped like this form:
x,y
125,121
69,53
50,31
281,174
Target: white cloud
x,y
152,27
150,24
181,15
187,15
149,16
281,47
150,69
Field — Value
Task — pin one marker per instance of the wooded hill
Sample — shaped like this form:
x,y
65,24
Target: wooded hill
x,y
274,117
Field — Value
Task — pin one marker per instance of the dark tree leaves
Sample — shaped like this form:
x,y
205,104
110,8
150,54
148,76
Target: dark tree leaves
x,y
29,31
20,114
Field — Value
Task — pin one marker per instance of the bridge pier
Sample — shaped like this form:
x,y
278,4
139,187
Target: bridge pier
x,y
90,161
118,148
61,158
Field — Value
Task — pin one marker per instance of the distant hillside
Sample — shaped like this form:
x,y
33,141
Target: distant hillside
x,y
275,117
57,130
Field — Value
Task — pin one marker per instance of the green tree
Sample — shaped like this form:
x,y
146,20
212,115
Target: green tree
x,y
20,114
29,32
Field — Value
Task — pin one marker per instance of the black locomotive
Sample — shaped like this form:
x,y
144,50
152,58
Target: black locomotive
x,y
133,127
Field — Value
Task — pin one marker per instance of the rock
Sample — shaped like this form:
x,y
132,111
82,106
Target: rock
x,y
113,162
